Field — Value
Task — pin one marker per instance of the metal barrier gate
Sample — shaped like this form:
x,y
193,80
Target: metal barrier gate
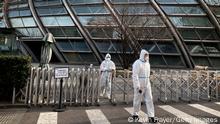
x,y
82,87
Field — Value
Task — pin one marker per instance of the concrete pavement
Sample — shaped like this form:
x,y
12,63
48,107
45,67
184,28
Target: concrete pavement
x,y
180,113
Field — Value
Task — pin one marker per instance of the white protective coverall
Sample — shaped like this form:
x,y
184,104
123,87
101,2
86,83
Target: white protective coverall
x,y
141,81
107,68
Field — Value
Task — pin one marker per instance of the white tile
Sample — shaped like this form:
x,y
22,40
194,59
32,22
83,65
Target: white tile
x,y
96,116
180,114
206,109
47,118
143,117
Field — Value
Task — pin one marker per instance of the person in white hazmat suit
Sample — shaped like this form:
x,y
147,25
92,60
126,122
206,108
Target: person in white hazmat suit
x,y
142,86
107,69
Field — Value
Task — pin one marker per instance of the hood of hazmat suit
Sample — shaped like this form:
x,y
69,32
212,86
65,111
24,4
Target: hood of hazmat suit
x,y
107,64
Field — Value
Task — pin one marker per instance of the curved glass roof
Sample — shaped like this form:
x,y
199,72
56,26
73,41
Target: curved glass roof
x,y
110,24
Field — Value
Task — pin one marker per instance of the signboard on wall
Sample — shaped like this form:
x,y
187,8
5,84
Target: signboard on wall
x,y
61,72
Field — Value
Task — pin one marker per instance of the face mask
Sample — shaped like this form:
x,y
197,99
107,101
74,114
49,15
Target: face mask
x,y
146,58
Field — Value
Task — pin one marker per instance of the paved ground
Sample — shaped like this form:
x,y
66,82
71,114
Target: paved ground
x,y
180,113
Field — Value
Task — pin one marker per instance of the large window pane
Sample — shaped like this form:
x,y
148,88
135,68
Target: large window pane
x,y
191,21
85,1
156,60
90,9
103,32
177,1
80,45
56,31
65,45
73,58
128,1
28,22
64,21
212,48
89,58
201,61
96,20
34,32
174,61
16,22
188,34
195,48
51,11
134,9
167,47
142,21
182,10
49,21
215,62
213,2
151,47
71,32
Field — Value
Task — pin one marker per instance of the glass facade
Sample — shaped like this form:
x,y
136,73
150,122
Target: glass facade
x,y
109,25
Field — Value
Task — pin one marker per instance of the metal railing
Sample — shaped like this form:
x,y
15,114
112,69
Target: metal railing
x,y
83,86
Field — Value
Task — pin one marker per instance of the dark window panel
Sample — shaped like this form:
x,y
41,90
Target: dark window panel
x,y
156,60
84,1
128,1
71,32
212,48
90,9
188,34
56,31
207,34
64,45
142,21
151,47
46,2
135,9
201,61
104,32
73,57
96,20
73,45
195,48
51,11
174,61
112,46
182,10
191,21
216,62
215,10
151,33
80,45
167,47
177,1
30,32
89,58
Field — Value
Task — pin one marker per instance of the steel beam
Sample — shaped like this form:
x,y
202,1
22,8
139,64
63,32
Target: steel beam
x,y
210,15
43,30
84,33
174,33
